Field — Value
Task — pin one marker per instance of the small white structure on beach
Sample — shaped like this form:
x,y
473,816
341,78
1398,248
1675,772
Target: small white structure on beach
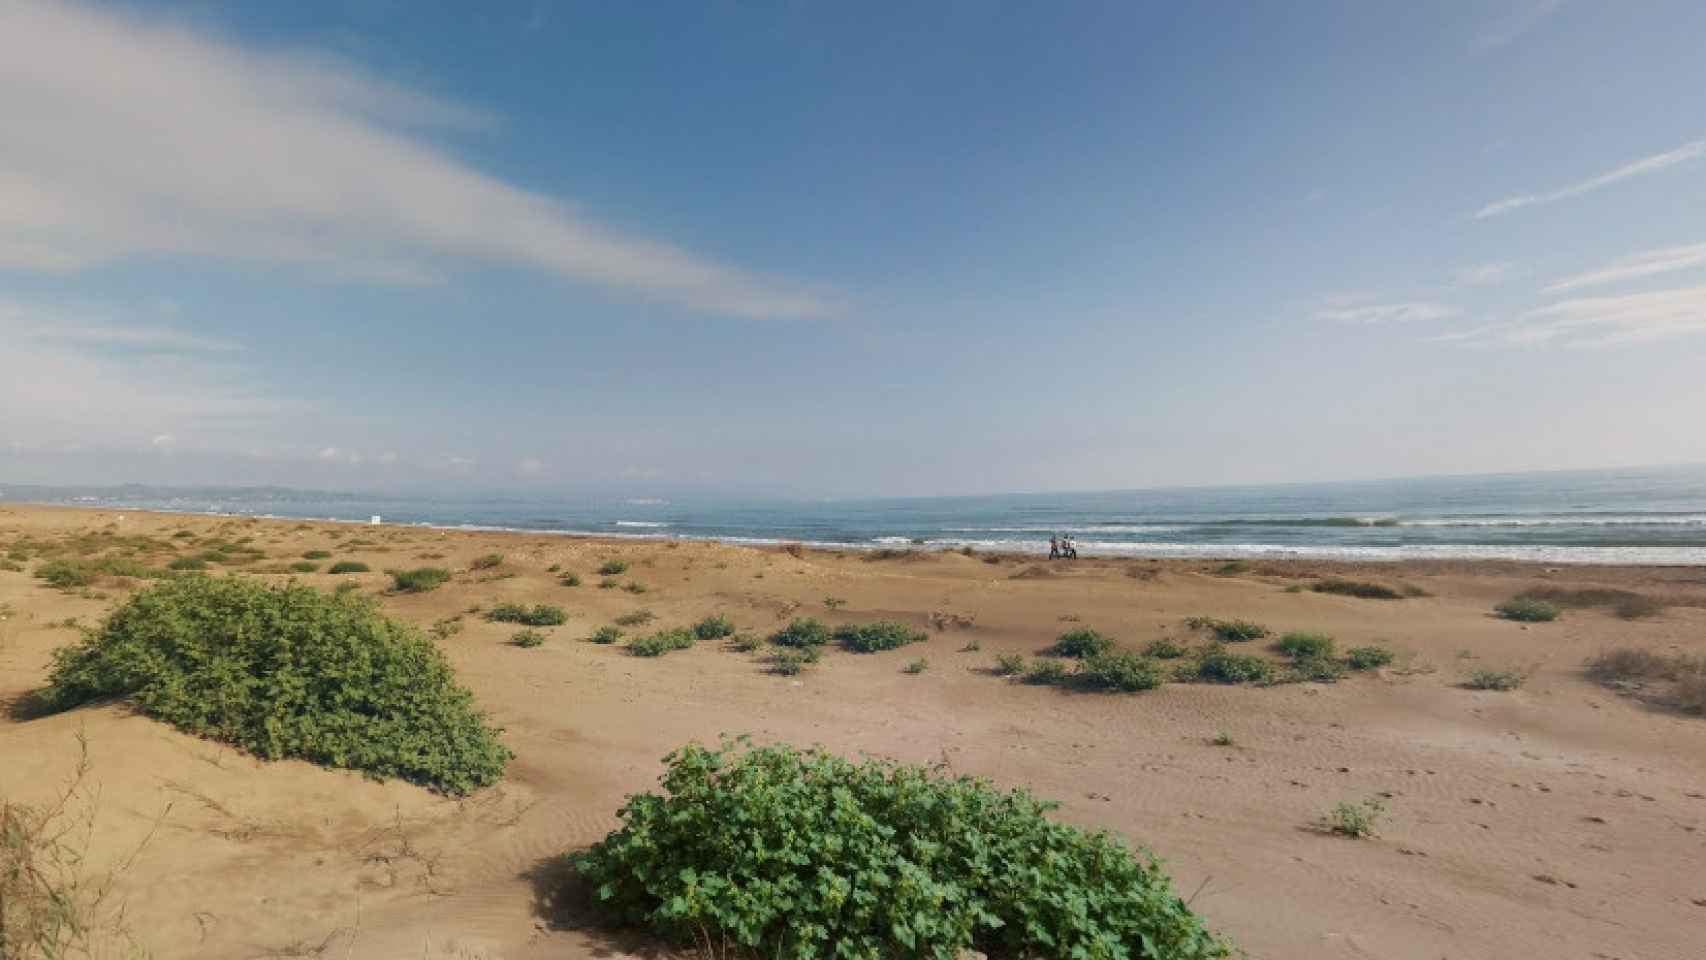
x,y
374,520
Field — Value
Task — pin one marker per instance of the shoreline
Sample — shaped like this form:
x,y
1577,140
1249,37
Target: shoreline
x,y
1576,557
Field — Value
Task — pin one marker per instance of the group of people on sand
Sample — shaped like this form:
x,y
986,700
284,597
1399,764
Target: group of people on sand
x,y
1062,547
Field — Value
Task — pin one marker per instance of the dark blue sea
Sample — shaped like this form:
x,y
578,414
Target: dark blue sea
x,y
1640,516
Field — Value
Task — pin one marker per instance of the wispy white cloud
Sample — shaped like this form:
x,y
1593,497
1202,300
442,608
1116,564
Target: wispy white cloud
x,y
1356,310
1692,150
115,382
1523,16
127,138
1599,321
1638,265
1482,274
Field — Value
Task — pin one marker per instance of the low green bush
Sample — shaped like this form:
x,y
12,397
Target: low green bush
x,y
1219,665
304,566
1118,671
1047,672
792,661
779,852
636,587
1501,680
1355,820
1008,664
286,671
1080,644
875,637
570,580
609,583
538,615
660,643
1357,588
636,618
1302,645
714,628
487,561
1528,610
527,637
347,566
918,666
1367,658
613,568
802,632
1164,649
317,555
745,643
420,579
187,564
1228,631
606,634
1315,670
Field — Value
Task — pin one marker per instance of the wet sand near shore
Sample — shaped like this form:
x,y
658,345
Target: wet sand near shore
x,y
1562,819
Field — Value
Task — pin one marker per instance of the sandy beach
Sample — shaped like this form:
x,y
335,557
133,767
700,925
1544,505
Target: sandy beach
x,y
1565,818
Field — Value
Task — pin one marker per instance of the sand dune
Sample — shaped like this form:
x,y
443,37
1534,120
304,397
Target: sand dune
x,y
1562,819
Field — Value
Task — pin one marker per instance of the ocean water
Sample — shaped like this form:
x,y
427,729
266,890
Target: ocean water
x,y
1639,516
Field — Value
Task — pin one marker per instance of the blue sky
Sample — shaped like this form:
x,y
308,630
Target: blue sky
x,y
877,249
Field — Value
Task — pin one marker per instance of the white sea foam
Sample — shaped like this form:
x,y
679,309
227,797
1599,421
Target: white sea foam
x,y
649,524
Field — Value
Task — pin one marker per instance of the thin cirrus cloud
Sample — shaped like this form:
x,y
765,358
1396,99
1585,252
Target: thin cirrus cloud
x,y
132,139
1523,18
1647,264
1692,150
1599,321
1349,311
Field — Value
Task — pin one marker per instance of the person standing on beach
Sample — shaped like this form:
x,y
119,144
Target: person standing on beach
x,y
1053,547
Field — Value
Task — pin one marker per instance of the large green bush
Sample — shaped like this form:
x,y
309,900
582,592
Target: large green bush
x,y
797,854
538,615
419,580
802,632
874,637
1081,644
286,671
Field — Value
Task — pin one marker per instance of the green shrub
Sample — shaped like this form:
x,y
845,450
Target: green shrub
x,y
1501,680
527,637
538,615
420,579
1228,631
1355,820
347,566
609,583
1232,568
1125,672
745,643
606,634
1315,670
791,661
918,666
1009,664
286,671
346,588
1045,672
1357,588
487,561
660,643
1164,649
440,630
1626,604
874,637
1081,644
714,628
634,587
304,566
1527,610
636,618
1367,658
834,603
800,854
1219,665
63,574
553,568
613,568
187,564
570,580
317,555
802,632
1302,645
